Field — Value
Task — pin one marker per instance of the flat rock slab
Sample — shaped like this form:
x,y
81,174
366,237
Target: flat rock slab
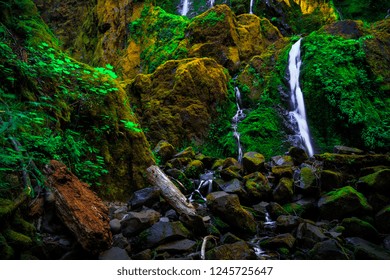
x,y
179,246
80,209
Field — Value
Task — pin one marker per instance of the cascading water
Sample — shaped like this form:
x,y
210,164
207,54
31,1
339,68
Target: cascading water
x,y
239,116
251,7
212,2
205,186
298,113
185,7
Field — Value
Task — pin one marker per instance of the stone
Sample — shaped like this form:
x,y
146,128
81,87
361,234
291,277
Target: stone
x,y
330,249
308,183
162,232
298,155
230,173
342,203
330,180
275,210
378,181
179,246
218,164
135,222
257,187
365,250
144,197
282,161
235,186
83,213
284,190
282,171
235,251
228,162
287,223
186,153
355,227
253,162
282,240
228,208
171,215
115,226
229,238
382,220
194,169
347,150
143,255
118,240
164,150
308,235
114,253
305,208
178,163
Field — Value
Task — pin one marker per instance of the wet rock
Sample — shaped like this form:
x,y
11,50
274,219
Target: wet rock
x,y
164,150
218,164
227,206
194,169
298,155
287,223
286,240
257,187
382,220
186,153
236,251
84,214
118,240
135,222
330,180
305,208
143,255
179,246
229,238
206,160
275,210
171,215
308,183
114,253
354,227
119,212
347,150
115,226
282,161
365,250
330,250
284,190
282,171
162,232
144,197
308,235
179,163
378,181
342,203
234,186
228,162
230,173
253,162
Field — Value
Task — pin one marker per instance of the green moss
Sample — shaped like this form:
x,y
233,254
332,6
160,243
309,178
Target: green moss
x,y
294,209
17,239
6,251
23,226
362,9
6,207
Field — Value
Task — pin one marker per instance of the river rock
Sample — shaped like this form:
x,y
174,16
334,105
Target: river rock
x,y
227,206
230,173
282,171
330,250
229,238
144,197
342,203
115,226
308,183
163,232
347,150
305,208
118,240
330,180
365,250
253,162
236,251
275,210
382,220
194,169
308,235
355,227
179,246
286,240
135,222
164,150
283,191
83,213
378,181
298,155
114,253
282,161
287,223
257,187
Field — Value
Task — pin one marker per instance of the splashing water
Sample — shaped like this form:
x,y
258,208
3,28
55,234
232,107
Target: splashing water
x,y
251,7
185,9
239,116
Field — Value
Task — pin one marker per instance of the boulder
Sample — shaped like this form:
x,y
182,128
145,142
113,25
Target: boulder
x,y
163,232
330,180
282,161
186,153
308,183
83,213
235,251
308,235
229,238
298,155
355,227
164,150
365,250
257,187
284,190
330,249
227,206
378,182
347,150
341,203
194,169
382,220
234,186
114,253
305,208
275,210
282,171
287,223
230,173
253,162
135,222
179,246
115,226
286,240
144,197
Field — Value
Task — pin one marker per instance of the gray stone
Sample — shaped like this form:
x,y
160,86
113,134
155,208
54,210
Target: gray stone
x,y
135,222
355,227
308,235
115,226
365,250
236,251
114,253
144,197
179,246
286,240
171,215
118,240
284,190
330,250
287,223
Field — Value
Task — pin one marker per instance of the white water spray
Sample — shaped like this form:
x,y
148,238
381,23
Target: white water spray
x,y
298,105
185,8
251,7
212,2
239,116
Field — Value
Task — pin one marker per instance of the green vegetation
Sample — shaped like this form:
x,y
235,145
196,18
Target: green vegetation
x,y
367,10
344,102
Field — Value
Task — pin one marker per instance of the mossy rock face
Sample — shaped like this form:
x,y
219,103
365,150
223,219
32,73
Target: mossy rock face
x,y
378,181
164,150
178,101
282,240
309,182
235,251
257,186
194,169
284,190
6,251
382,220
341,203
253,162
359,228
18,240
330,180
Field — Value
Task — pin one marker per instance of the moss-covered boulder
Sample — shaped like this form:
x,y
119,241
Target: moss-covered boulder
x,y
164,151
341,203
359,228
253,162
378,181
382,220
257,187
194,169
235,251
330,180
228,208
286,240
284,190
309,183
178,101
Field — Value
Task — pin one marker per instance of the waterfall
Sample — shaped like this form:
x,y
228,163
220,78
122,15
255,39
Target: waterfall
x,y
212,2
298,113
185,8
239,116
251,7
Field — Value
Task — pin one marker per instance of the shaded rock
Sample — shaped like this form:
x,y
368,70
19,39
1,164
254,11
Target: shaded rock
x,y
330,180
179,246
365,250
171,215
257,187
234,186
298,155
6,251
330,250
382,220
230,173
378,181
282,161
386,242
145,197
143,255
163,232
114,253
230,162
287,223
83,213
305,208
178,163
308,235
378,201
207,160
354,227
194,169
16,239
115,226
286,240
282,171
275,210
164,150
347,150
135,222
284,190
229,238
236,251
118,240
228,207
308,182
186,153
253,162
342,203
